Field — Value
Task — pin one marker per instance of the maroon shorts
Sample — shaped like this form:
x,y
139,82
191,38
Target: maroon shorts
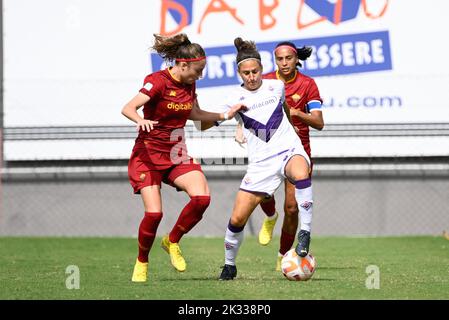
x,y
147,168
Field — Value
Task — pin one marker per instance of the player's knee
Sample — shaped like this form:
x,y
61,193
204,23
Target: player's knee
x,y
238,221
156,216
300,174
291,208
200,203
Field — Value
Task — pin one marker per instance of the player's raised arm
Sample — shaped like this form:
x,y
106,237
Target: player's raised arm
x,y
204,119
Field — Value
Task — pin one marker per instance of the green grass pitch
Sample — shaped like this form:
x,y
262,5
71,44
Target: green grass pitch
x,y
409,268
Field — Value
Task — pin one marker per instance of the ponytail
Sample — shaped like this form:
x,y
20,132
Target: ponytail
x,y
301,53
177,47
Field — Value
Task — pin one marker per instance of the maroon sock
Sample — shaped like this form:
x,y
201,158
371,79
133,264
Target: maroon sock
x,y
147,232
286,242
189,217
269,206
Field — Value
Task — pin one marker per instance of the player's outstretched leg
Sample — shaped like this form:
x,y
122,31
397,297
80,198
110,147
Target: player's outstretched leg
x,y
176,258
233,240
303,195
189,217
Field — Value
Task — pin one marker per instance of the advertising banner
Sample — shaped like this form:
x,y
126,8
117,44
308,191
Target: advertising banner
x,y
76,63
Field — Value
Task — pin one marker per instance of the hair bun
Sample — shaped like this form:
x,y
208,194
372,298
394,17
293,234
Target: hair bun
x,y
238,43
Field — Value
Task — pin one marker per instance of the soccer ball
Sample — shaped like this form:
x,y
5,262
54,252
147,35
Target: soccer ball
x,y
297,268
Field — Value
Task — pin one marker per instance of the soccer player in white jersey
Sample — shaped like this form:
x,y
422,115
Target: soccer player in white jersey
x,y
305,105
275,151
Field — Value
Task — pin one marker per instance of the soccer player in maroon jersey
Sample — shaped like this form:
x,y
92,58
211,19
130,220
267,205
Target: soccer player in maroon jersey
x,y
160,155
304,101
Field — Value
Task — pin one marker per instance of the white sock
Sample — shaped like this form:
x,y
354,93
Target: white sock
x,y
304,198
233,240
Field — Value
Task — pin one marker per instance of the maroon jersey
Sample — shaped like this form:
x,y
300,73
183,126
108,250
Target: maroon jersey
x,y
170,104
298,92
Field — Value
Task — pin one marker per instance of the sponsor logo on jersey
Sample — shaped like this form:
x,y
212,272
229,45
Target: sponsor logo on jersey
x,y
179,106
265,102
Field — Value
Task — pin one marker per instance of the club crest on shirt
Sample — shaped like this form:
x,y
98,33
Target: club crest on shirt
x,y
148,86
306,205
296,97
228,245
172,93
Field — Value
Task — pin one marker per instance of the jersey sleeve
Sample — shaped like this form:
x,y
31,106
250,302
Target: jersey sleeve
x,y
314,101
152,86
313,92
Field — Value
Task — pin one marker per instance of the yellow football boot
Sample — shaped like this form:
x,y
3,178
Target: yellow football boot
x,y
279,262
140,271
174,251
266,232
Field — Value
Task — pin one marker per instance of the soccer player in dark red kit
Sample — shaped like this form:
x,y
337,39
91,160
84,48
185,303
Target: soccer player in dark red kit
x,y
304,101
159,155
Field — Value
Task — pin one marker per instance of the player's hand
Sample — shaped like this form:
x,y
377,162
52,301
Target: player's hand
x,y
294,112
145,125
236,108
239,137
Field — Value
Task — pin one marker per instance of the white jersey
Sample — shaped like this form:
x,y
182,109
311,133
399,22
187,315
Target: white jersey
x,y
265,125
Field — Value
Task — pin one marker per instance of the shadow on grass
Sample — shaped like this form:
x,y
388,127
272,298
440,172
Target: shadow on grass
x,y
242,278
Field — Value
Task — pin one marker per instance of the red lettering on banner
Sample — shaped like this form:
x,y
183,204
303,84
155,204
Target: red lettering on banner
x,y
369,14
219,6
166,5
266,12
302,25
266,17
337,11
